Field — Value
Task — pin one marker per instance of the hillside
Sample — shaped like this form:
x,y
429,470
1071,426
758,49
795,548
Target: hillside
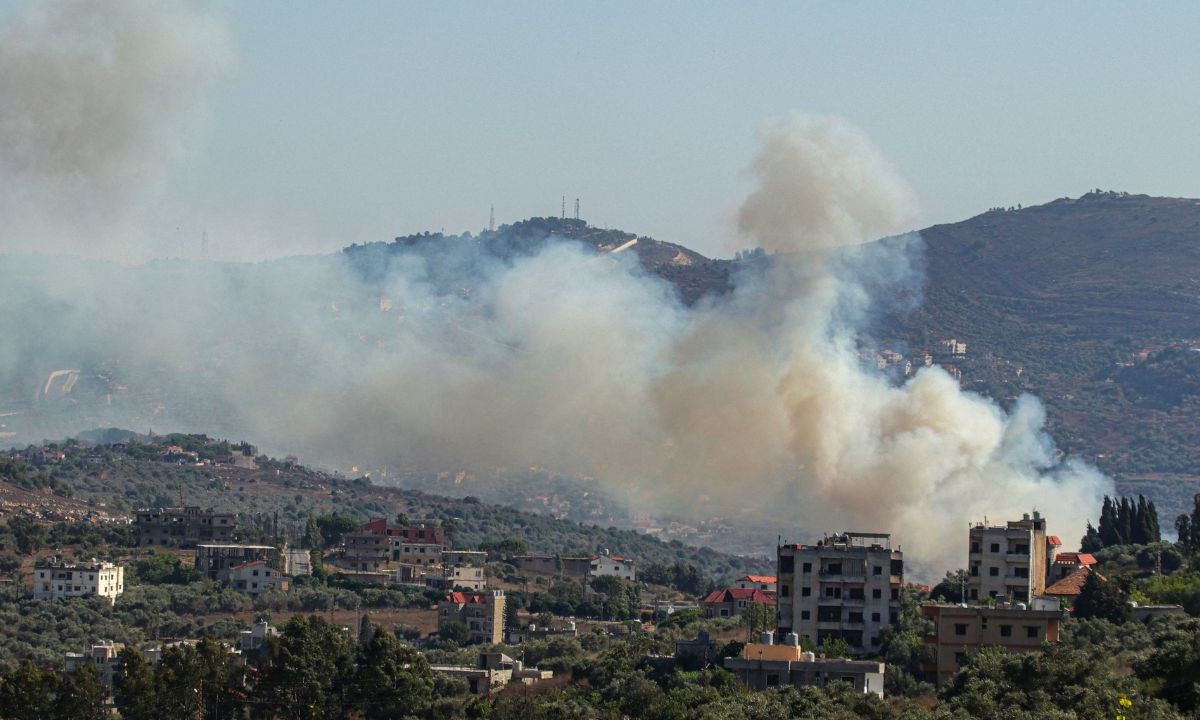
x,y
1092,305
115,480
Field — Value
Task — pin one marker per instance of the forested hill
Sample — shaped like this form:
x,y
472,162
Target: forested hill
x,y
1093,305
118,479
451,260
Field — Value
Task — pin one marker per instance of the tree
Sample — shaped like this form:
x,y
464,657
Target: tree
x,y
1102,599
1091,541
950,589
134,689
392,680
1110,533
313,540
25,693
79,695
305,671
454,631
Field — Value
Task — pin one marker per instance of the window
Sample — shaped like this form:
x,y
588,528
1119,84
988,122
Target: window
x,y
833,568
1031,632
994,571
787,565
877,570
856,617
807,567
975,547
960,629
1021,572
874,617
805,591
875,640
958,658
895,593
877,594
995,547
1006,631
855,593
805,615
772,680
974,571
783,590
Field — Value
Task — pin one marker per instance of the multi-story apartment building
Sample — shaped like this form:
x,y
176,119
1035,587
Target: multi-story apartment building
x,y
766,583
367,550
183,526
215,561
415,531
464,558
411,553
1009,561
846,586
57,579
483,615
958,629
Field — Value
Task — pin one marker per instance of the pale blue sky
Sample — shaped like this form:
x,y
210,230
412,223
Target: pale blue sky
x,y
356,122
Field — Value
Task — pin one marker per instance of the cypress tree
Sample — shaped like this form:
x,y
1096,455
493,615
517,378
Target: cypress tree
x,y
1125,521
1108,524
1155,530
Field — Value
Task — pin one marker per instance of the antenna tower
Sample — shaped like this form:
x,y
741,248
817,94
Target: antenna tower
x,y
576,208
563,212
492,219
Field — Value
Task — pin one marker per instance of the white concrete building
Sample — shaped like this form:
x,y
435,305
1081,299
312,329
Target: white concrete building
x,y
58,579
615,565
255,577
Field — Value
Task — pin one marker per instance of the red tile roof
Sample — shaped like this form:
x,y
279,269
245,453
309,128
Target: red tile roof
x,y
378,525
757,578
466,598
1072,585
1053,540
1075,559
754,595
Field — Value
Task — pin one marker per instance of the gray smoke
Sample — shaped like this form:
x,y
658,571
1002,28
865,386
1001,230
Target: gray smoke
x,y
562,358
99,99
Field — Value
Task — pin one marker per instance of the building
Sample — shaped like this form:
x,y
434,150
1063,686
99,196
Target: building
x,y
366,550
846,586
483,614
734,601
215,561
1009,561
252,641
416,531
411,553
103,655
959,629
765,665
494,671
556,565
1067,563
183,527
458,578
614,565
766,583
255,577
56,579
464,558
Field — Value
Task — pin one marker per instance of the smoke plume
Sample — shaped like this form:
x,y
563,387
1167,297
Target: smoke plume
x,y
99,99
560,357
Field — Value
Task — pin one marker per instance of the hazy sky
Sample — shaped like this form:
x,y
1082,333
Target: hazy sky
x,y
345,123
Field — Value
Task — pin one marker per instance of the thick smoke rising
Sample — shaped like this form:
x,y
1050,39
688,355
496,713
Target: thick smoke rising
x,y
556,356
99,99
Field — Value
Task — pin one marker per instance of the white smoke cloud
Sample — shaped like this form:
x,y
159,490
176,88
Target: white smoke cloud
x,y
99,99
587,365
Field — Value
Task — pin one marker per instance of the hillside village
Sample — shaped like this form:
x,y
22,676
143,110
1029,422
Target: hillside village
x,y
838,614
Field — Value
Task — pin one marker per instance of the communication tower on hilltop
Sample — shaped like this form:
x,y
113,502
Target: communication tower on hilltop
x,y
492,219
576,208
563,213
